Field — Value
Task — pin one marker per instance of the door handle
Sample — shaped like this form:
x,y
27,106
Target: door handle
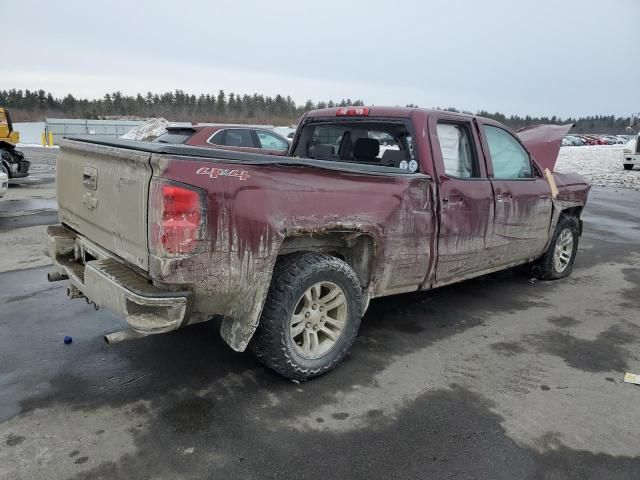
x,y
452,200
499,198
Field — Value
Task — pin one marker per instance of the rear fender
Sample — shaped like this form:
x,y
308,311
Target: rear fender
x,y
353,245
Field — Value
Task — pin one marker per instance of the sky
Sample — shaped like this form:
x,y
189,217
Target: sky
x,y
540,57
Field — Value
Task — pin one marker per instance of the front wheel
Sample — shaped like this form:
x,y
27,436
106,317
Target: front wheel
x,y
557,261
311,316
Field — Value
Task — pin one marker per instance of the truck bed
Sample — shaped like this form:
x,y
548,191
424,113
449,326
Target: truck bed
x,y
228,156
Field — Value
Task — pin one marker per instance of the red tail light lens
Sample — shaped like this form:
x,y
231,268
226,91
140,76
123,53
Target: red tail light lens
x,y
175,218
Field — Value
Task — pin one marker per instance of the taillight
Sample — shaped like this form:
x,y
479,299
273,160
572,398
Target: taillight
x,y
352,112
175,218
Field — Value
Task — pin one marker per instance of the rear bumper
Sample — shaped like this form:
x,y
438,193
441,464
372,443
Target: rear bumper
x,y
108,283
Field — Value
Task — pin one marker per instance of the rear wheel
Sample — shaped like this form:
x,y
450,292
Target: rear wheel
x,y
557,261
628,166
311,316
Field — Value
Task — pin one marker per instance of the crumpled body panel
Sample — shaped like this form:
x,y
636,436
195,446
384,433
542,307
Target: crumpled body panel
x,y
543,142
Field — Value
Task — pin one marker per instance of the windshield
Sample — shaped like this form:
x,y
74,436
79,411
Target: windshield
x,y
377,143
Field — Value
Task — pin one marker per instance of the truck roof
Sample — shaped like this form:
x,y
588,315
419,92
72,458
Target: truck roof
x,y
389,112
401,112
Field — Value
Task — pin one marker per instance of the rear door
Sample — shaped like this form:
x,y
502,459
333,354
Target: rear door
x,y
103,195
466,197
522,197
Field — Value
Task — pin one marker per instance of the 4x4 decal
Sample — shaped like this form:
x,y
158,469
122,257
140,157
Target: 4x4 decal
x,y
215,172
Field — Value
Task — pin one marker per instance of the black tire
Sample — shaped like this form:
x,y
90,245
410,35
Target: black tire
x,y
3,169
544,268
293,275
628,166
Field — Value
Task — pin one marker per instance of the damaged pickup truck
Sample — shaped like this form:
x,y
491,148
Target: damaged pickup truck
x,y
288,251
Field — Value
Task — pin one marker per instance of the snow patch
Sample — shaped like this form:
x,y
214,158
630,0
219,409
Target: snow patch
x,y
148,131
600,164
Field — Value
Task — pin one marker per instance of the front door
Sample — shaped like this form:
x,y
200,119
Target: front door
x,y
522,198
466,197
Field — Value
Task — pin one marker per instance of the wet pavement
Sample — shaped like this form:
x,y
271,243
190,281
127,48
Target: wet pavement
x,y
499,377
27,212
31,200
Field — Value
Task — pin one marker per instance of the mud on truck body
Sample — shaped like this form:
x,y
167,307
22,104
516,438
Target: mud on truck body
x,y
290,250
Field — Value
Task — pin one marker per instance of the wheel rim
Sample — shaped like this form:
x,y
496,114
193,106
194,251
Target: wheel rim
x,y
563,250
318,320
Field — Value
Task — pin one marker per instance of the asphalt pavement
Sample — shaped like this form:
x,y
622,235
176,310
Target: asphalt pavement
x,y
500,377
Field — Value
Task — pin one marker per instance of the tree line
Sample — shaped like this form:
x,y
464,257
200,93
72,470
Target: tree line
x,y
35,105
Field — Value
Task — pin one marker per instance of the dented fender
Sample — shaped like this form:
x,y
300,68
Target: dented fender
x,y
253,218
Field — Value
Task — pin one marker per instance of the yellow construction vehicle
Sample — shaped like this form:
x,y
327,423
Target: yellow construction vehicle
x,y
12,161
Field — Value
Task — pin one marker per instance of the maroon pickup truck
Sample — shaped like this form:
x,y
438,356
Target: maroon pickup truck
x,y
288,251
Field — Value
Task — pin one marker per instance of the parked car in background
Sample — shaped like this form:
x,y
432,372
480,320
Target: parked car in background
x,y
4,183
578,141
589,140
237,138
571,140
611,139
631,153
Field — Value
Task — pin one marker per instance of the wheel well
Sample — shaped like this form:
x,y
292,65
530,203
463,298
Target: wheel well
x,y
355,248
572,212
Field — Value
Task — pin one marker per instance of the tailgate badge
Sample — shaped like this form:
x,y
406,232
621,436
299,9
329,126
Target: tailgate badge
x,y
89,200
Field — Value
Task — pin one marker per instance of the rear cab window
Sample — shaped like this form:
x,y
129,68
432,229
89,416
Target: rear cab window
x,y
375,142
175,136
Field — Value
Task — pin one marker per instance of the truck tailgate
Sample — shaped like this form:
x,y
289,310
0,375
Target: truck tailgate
x,y
103,195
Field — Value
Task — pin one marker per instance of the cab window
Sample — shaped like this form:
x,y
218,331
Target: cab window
x,y
233,137
271,141
510,160
457,151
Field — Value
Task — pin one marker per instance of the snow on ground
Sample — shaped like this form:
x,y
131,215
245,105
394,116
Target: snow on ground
x,y
33,145
599,164
150,130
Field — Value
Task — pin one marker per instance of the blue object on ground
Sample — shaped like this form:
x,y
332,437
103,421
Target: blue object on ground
x,y
68,340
